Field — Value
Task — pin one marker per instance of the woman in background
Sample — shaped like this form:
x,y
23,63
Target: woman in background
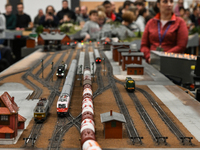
x,y
165,32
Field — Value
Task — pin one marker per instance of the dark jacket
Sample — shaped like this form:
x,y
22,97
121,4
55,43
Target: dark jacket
x,y
48,23
62,12
11,21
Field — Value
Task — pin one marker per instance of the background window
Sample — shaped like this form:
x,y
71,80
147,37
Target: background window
x,y
4,118
113,124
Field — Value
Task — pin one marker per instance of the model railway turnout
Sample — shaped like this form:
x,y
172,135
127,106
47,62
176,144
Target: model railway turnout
x,y
171,125
132,132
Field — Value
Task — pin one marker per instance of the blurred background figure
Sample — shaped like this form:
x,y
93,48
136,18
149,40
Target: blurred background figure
x,y
178,6
101,18
65,10
49,20
195,15
37,18
23,20
77,11
141,19
108,10
10,18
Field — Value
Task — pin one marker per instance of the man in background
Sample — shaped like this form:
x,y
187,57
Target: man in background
x,y
176,9
65,10
108,10
10,18
38,17
23,20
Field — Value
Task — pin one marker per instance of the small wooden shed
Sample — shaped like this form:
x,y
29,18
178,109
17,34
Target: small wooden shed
x,y
115,46
135,69
113,128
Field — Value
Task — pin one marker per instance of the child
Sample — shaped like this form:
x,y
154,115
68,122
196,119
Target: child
x,y
91,27
101,18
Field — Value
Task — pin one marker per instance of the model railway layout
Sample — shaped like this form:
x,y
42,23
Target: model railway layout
x,y
42,73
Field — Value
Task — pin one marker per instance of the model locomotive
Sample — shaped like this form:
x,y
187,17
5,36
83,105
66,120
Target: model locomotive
x,y
130,84
41,110
61,70
66,93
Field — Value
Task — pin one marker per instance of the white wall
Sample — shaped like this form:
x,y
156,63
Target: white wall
x,y
31,7
2,5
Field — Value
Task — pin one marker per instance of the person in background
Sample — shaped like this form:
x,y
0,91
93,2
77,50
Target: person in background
x,y
67,19
84,13
108,10
126,5
91,28
37,18
177,7
129,21
49,20
165,32
139,4
194,17
2,26
77,11
10,18
65,10
113,7
141,19
23,20
101,18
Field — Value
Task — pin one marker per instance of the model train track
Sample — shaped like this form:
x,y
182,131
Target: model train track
x,y
132,132
30,141
171,125
156,135
62,125
46,64
37,90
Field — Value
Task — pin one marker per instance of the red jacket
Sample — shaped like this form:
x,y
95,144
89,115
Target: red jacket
x,y
174,41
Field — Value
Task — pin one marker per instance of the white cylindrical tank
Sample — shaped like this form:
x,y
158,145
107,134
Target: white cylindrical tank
x,y
87,104
91,144
88,109
87,91
87,121
87,99
87,125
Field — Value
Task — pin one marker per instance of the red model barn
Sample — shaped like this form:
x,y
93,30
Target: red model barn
x,y
131,58
135,69
124,50
112,124
116,46
10,120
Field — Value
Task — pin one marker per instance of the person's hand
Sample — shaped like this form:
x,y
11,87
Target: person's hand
x,y
61,21
48,17
87,37
17,28
22,29
149,60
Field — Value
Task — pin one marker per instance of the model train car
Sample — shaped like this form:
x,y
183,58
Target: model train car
x,y
41,110
61,70
97,56
66,93
130,84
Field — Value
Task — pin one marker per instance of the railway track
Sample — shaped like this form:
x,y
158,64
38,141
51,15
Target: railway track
x,y
37,90
171,125
30,141
62,125
132,132
156,135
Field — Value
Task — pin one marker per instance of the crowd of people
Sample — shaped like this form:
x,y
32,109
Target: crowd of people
x,y
165,26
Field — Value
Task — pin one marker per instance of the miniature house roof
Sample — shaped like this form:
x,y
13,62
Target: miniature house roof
x,y
132,54
126,50
120,44
105,117
134,66
4,111
52,36
21,118
6,129
9,102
